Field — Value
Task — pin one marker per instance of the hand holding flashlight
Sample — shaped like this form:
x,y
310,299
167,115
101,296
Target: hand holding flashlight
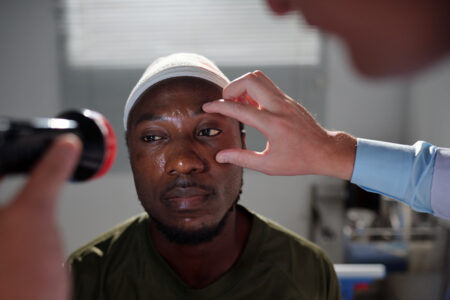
x,y
31,255
77,146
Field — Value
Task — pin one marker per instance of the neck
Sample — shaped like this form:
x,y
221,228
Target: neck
x,y
200,265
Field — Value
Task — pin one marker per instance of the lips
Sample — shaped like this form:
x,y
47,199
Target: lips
x,y
186,192
186,197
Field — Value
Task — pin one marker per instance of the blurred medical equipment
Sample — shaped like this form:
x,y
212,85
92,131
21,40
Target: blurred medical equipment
x,y
357,227
354,277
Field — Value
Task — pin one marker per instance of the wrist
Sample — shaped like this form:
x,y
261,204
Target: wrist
x,y
341,154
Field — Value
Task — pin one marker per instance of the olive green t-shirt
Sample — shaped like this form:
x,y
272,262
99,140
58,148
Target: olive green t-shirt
x,y
275,264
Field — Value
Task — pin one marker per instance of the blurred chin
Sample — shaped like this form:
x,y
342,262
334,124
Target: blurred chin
x,y
391,70
379,62
280,7
370,67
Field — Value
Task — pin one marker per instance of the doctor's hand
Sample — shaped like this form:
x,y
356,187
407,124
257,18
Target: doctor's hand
x,y
296,143
31,256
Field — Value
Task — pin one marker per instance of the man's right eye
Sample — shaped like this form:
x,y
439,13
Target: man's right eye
x,y
151,138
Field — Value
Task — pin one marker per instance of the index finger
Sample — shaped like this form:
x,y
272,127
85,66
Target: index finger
x,y
245,113
257,86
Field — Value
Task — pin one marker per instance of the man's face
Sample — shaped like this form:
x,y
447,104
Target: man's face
x,y
172,145
384,37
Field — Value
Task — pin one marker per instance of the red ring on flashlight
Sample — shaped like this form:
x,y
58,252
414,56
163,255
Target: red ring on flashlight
x,y
110,148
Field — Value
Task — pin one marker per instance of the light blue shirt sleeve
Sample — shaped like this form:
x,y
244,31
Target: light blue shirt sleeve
x,y
440,188
402,172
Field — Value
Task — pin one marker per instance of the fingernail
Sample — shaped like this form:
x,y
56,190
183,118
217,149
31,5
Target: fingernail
x,y
221,158
69,144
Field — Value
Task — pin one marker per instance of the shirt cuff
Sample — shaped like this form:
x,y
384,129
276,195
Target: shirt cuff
x,y
440,202
400,172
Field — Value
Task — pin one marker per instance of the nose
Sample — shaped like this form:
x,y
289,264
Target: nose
x,y
184,160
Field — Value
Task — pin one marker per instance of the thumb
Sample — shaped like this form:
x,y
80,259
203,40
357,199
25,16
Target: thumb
x,y
50,173
241,157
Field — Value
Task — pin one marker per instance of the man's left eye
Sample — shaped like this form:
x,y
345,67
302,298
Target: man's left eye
x,y
209,132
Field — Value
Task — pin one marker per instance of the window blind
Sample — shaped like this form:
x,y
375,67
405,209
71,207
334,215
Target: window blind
x,y
132,33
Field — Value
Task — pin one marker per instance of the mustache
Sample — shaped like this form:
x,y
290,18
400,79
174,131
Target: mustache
x,y
187,183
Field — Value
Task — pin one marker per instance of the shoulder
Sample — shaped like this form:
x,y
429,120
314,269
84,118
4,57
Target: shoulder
x,y
280,239
293,255
297,260
102,246
101,261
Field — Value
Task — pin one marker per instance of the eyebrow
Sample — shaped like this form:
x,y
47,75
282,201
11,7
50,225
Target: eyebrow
x,y
152,117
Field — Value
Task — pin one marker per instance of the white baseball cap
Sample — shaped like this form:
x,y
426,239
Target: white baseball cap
x,y
175,65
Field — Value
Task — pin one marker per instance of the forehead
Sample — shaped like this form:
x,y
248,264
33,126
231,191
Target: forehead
x,y
175,95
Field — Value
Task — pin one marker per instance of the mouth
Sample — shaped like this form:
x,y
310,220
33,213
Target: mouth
x,y
186,198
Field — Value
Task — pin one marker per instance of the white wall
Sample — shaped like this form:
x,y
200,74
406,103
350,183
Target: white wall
x,y
28,61
362,107
430,106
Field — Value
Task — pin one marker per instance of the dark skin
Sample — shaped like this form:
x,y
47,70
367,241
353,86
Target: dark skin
x,y
172,145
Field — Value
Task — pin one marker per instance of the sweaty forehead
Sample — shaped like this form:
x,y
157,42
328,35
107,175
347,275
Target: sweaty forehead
x,y
173,95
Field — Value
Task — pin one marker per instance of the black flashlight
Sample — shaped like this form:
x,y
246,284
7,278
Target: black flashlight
x,y
22,142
